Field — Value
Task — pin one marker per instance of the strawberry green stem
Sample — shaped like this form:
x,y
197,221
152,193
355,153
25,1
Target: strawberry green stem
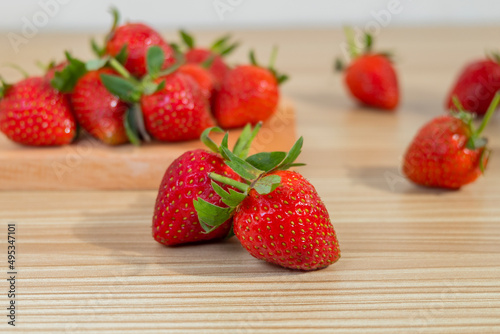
x,y
274,54
353,50
226,180
491,110
115,64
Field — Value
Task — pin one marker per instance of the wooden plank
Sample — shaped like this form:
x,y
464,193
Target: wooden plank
x,y
89,164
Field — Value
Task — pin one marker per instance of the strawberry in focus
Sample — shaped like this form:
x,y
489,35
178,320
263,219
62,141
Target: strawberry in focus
x,y
33,113
248,94
370,77
98,111
448,152
476,85
175,220
289,227
278,216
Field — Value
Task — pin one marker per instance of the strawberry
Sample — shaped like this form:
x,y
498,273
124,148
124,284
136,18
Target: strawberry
x,y
175,220
34,113
248,94
278,217
370,77
178,111
203,78
216,52
448,152
98,111
476,85
166,104
131,42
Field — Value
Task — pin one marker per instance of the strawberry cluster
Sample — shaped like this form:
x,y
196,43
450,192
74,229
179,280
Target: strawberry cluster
x,y
275,213
138,89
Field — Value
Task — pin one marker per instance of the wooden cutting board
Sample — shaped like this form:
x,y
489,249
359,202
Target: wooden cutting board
x,y
89,164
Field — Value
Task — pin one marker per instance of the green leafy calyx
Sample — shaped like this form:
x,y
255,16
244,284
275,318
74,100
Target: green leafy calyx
x,y
255,172
475,140
280,77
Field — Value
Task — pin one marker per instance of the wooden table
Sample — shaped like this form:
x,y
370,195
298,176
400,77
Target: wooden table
x,y
413,260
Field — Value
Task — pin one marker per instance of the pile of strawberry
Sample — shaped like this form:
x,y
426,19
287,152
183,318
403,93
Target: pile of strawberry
x,y
138,89
275,213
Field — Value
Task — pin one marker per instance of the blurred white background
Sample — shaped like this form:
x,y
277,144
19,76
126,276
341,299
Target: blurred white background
x,y
92,15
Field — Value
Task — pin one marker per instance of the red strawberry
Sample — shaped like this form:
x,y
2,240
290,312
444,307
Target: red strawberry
x,y
279,216
98,111
179,111
186,179
34,113
136,38
289,226
476,86
371,78
448,152
218,68
175,220
248,94
167,104
215,53
204,78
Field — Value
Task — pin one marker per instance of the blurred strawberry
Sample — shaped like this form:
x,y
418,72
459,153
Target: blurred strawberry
x,y
476,85
129,43
248,94
98,111
202,76
370,77
34,113
219,49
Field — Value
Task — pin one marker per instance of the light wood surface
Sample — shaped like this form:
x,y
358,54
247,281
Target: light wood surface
x,y
90,164
414,260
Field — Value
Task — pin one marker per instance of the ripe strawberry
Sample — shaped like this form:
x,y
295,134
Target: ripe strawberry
x,y
476,85
175,220
167,104
203,78
34,113
289,226
186,179
98,111
248,94
177,112
218,50
136,38
370,77
279,216
448,152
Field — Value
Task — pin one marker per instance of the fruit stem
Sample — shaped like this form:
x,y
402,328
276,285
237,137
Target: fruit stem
x,y
349,33
230,182
489,113
115,64
274,54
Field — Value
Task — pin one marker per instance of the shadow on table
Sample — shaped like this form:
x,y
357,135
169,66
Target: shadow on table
x,y
126,240
389,179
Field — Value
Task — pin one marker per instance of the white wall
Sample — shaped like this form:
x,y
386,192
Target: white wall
x,y
91,15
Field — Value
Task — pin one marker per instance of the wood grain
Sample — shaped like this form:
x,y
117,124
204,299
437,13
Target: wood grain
x,y
90,164
414,260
